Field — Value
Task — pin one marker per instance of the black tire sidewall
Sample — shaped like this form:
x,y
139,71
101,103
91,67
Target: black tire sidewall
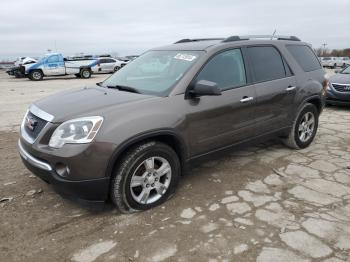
x,y
157,149
308,108
82,73
35,71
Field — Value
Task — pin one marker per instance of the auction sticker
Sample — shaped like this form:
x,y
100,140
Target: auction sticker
x,y
185,57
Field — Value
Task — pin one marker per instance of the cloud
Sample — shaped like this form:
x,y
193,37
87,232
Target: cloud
x,y
133,26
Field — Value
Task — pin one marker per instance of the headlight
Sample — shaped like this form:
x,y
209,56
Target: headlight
x,y
329,86
76,131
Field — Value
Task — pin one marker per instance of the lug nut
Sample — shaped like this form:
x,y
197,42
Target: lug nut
x,y
153,185
156,179
147,185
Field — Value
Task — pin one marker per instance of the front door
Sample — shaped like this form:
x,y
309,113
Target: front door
x,y
54,66
215,122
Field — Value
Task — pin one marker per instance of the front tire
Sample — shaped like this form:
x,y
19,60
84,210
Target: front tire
x,y
146,177
304,128
36,75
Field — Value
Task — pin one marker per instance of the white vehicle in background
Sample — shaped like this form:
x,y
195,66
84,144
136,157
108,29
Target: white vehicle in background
x,y
24,60
15,70
108,65
344,61
333,62
55,64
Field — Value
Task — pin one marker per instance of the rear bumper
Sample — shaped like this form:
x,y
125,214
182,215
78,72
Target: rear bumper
x,y
92,190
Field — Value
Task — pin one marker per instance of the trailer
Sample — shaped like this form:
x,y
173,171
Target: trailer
x,y
54,64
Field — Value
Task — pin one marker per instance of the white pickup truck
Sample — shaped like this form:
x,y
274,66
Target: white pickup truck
x,y
54,64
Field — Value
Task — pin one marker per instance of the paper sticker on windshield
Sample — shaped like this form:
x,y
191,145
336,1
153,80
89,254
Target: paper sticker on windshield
x,y
185,57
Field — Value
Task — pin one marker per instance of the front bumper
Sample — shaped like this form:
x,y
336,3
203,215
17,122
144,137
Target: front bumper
x,y
93,190
338,98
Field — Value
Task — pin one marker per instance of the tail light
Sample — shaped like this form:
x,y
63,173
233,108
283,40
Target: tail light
x,y
325,84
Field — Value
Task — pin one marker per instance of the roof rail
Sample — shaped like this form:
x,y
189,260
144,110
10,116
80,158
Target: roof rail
x,y
187,40
271,37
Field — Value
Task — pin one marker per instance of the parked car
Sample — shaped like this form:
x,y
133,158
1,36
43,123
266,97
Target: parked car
x,y
130,137
332,62
15,71
344,61
338,91
108,65
54,64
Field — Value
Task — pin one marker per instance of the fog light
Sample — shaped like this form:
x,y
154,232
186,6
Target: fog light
x,y
62,169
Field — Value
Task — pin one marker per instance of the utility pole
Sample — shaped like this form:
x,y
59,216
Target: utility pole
x,y
324,48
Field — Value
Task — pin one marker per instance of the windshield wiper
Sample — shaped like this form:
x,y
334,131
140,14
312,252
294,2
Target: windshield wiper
x,y
125,88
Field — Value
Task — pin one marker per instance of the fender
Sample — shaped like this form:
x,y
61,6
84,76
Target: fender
x,y
309,98
144,136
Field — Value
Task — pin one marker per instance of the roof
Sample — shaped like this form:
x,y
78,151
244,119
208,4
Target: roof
x,y
205,43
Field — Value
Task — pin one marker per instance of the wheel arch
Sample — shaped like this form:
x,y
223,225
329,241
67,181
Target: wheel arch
x,y
317,102
169,137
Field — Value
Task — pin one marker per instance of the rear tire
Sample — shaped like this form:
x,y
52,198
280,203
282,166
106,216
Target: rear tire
x,y
85,73
116,68
304,128
146,177
36,75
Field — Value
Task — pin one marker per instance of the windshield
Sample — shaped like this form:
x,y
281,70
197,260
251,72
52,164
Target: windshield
x,y
346,70
42,59
155,72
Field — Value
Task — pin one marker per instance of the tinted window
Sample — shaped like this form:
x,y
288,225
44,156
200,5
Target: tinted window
x,y
102,61
267,63
305,57
53,59
226,69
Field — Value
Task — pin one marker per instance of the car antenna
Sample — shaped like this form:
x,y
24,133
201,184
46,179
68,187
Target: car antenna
x,y
273,34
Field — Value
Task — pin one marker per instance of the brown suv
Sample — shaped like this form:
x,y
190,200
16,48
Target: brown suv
x,y
129,138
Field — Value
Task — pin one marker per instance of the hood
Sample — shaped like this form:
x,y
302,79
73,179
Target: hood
x,y
86,102
340,79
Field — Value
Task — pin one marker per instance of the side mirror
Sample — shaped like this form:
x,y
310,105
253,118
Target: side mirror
x,y
205,88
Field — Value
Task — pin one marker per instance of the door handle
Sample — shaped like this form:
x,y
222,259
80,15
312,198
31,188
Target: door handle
x,y
246,99
290,88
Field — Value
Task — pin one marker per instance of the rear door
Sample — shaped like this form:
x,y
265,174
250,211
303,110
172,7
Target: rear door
x,y
110,64
275,88
217,121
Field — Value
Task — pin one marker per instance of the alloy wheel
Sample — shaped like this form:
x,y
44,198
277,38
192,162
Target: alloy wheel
x,y
150,180
306,127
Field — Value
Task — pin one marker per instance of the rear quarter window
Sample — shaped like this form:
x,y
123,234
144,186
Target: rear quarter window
x,y
305,57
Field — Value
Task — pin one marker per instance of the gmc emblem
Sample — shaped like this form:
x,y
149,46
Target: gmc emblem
x,y
30,123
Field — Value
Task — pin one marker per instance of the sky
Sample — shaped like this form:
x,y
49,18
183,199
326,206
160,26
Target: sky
x,y
30,28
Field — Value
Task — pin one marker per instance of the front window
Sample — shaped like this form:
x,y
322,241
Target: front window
x,y
155,72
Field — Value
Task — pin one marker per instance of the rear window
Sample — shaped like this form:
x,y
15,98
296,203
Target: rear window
x,y
305,57
267,63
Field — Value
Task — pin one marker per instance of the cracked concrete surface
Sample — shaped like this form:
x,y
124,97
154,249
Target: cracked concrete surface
x,y
263,203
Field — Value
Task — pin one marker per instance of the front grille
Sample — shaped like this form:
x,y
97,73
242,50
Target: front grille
x,y
33,125
341,88
22,69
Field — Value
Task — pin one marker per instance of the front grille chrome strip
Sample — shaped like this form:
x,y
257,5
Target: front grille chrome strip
x,y
32,160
